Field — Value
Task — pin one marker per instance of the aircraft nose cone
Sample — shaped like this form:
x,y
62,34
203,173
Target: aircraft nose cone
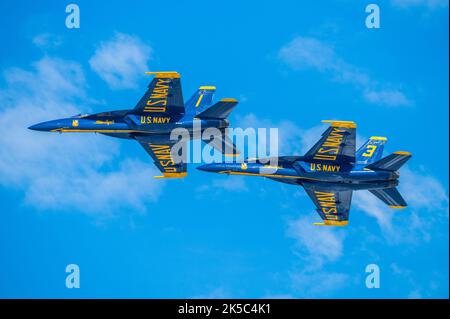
x,y
37,127
47,126
205,168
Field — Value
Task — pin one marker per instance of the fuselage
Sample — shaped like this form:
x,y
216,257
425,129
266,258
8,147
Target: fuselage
x,y
335,176
123,124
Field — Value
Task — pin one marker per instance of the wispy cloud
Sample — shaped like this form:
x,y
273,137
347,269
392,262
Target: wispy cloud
x,y
430,4
311,53
229,183
387,97
217,293
316,246
47,40
319,284
423,193
63,172
292,139
92,190
224,183
431,284
121,61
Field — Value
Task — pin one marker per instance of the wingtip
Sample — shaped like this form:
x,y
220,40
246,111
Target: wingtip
x,y
228,99
207,87
171,175
403,153
378,138
164,74
337,123
332,223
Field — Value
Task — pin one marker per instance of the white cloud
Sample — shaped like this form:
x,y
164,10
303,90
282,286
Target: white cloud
x,y
231,183
226,183
306,52
318,284
121,61
217,293
406,277
387,97
277,296
430,4
303,53
316,244
129,186
292,139
47,40
423,193
415,294
399,271
63,171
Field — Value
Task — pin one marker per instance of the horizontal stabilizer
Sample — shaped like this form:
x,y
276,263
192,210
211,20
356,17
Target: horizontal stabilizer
x,y
220,110
223,144
392,162
390,196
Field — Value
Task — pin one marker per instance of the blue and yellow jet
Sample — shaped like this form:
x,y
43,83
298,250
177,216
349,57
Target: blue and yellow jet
x,y
331,170
157,113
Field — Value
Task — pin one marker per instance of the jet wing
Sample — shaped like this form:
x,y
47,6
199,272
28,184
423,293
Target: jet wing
x,y
336,145
160,149
163,97
332,206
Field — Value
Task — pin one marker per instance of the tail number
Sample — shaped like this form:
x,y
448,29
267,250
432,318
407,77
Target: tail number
x,y
369,151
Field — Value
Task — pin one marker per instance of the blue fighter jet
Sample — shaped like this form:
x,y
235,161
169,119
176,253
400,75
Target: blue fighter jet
x,y
157,113
331,170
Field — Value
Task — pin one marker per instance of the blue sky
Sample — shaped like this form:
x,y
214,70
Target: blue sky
x,y
91,200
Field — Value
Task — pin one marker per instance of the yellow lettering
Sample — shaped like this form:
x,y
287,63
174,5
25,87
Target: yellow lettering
x,y
162,153
369,151
327,202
